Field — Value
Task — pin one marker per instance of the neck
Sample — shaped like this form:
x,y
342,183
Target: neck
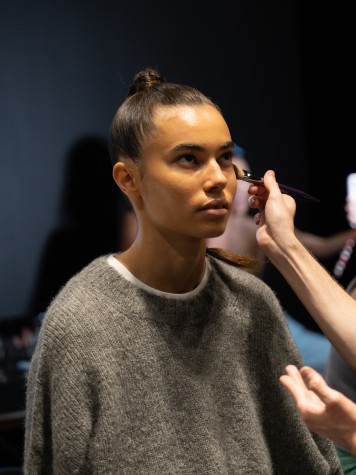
x,y
175,268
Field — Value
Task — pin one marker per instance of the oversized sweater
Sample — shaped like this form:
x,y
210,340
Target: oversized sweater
x,y
125,381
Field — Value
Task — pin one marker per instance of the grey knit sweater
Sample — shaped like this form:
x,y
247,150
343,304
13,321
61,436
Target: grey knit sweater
x,y
127,382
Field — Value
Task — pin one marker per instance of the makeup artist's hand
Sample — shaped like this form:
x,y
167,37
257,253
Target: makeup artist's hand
x,y
319,292
275,218
325,411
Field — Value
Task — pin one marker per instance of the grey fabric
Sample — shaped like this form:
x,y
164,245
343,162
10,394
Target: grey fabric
x,y
126,382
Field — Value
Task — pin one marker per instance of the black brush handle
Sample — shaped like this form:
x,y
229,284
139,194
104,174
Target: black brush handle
x,y
284,188
297,193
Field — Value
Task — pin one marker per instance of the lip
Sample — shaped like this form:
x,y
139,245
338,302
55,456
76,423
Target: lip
x,y
216,207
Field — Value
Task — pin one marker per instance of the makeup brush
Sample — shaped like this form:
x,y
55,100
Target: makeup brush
x,y
250,178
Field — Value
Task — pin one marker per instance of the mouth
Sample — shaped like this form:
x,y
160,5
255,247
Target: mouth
x,y
216,204
216,207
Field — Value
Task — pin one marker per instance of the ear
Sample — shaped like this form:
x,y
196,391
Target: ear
x,y
125,176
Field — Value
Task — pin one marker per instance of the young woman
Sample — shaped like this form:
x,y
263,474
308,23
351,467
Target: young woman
x,y
164,359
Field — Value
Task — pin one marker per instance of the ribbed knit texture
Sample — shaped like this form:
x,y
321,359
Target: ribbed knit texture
x,y
126,382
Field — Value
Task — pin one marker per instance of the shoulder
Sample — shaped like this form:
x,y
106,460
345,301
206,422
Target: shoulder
x,y
233,272
92,315
85,299
80,289
242,282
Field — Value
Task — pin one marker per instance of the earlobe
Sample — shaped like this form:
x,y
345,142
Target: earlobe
x,y
124,177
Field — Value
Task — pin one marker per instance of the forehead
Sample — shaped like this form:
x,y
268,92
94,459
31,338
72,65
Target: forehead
x,y
174,124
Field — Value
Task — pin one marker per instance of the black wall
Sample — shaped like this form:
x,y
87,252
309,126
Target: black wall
x,y
66,66
327,45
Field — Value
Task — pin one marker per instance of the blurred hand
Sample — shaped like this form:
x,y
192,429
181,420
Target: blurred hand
x,y
325,411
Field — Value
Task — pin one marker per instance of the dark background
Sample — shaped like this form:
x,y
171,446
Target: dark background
x,y
282,72
327,80
66,67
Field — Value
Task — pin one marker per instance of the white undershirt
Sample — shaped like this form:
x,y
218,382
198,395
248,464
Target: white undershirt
x,y
122,270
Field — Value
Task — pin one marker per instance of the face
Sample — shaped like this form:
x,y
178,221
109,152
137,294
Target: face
x,y
187,183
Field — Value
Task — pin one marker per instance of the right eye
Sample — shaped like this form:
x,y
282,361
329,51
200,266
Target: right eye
x,y
225,159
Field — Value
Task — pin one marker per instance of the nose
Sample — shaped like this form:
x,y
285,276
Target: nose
x,y
215,178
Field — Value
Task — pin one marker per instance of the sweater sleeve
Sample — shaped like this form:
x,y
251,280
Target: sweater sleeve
x,y
58,405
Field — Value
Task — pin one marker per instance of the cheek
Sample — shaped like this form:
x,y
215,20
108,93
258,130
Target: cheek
x,y
165,195
231,188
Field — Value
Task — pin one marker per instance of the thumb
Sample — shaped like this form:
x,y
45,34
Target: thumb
x,y
269,180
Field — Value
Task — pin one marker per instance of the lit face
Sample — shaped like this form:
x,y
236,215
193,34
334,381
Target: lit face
x,y
187,183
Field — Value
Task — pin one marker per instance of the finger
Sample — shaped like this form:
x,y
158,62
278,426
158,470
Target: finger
x,y
294,373
256,189
270,183
256,202
315,382
297,391
253,201
253,189
293,381
257,218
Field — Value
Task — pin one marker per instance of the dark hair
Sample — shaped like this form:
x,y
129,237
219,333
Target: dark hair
x,y
133,120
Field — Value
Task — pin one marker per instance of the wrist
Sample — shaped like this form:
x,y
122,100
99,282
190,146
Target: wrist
x,y
289,250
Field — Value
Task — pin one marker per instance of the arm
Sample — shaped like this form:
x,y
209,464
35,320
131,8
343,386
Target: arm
x,y
325,411
324,247
328,303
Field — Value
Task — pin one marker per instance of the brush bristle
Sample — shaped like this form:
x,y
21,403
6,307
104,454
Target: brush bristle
x,y
238,172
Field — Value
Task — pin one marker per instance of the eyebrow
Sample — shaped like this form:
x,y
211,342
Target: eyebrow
x,y
199,148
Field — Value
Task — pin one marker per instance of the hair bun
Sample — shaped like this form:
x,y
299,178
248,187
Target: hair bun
x,y
145,79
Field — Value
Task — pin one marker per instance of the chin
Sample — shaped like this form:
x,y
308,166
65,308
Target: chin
x,y
215,232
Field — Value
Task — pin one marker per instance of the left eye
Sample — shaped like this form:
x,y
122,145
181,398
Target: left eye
x,y
189,159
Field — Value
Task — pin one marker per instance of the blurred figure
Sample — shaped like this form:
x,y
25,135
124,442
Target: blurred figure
x,y
89,216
